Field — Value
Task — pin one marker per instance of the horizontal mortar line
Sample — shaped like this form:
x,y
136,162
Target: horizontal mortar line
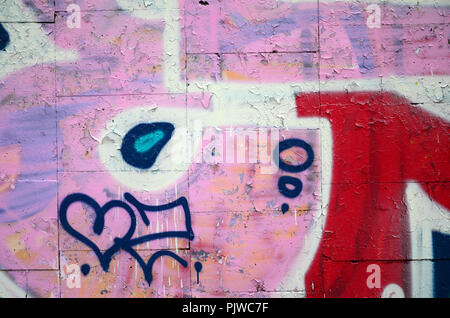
x,y
250,52
227,165
262,211
248,291
109,171
29,270
122,10
386,182
149,172
387,260
428,103
120,94
29,22
137,250
140,9
363,25
255,211
36,180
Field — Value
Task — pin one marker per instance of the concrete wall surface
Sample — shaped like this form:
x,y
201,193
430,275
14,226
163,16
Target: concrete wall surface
x,y
224,148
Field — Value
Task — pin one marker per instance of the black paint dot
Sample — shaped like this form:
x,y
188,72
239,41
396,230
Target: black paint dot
x,y
198,267
85,269
284,207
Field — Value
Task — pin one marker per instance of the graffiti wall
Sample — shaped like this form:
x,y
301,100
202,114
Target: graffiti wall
x,y
224,148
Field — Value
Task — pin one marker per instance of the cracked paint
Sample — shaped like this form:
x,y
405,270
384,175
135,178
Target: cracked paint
x,y
309,142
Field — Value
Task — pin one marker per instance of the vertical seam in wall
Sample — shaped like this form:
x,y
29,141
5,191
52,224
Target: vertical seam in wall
x,y
26,284
57,157
318,50
183,25
320,149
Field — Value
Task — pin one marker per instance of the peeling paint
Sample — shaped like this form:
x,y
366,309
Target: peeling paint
x,y
356,97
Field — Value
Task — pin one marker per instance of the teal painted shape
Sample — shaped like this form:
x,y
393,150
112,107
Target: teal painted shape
x,y
146,142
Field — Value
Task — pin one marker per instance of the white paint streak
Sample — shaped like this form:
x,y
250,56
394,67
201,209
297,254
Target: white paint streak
x,y
425,216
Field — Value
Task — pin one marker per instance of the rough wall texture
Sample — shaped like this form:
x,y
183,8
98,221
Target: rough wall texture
x,y
234,148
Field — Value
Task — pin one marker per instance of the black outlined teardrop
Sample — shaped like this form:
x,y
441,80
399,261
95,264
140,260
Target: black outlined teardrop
x,y
143,143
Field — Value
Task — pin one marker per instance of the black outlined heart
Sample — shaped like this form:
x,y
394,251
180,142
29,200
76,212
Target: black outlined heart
x,y
100,211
